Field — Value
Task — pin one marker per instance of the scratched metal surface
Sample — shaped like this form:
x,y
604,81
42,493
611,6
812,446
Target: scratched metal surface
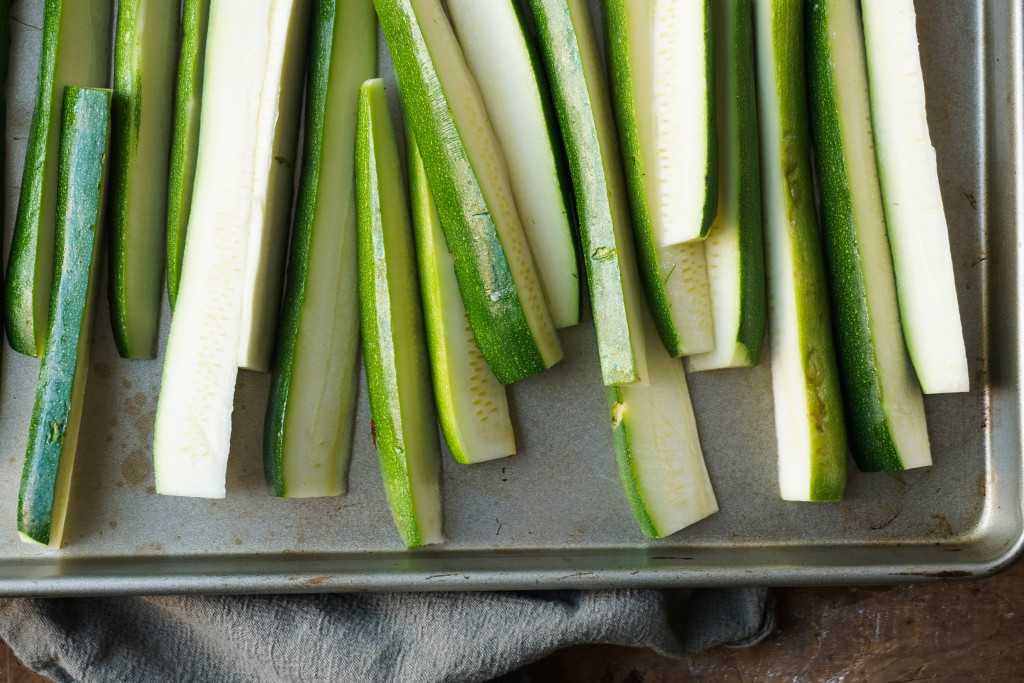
x,y
555,515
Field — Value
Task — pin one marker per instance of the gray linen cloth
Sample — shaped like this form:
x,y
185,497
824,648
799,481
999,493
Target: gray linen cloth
x,y
421,637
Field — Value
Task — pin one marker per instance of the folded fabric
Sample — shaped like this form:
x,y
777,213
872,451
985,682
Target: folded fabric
x,y
419,637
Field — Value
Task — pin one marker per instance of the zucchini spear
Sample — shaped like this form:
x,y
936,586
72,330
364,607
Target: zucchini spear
x,y
60,392
734,247
884,406
912,198
660,58
76,51
809,423
394,343
657,446
144,53
580,92
195,15
308,435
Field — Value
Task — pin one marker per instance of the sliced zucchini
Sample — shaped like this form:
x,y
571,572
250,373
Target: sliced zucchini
x,y
467,173
734,247
145,48
76,51
310,414
78,261
809,423
188,94
657,446
584,111
661,55
471,402
908,172
663,89
884,406
504,60
247,42
274,180
394,344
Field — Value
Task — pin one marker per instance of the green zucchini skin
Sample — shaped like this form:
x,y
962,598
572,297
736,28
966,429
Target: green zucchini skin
x,y
496,307
584,110
318,338
185,139
884,404
753,306
627,473
30,268
53,430
144,49
394,342
795,265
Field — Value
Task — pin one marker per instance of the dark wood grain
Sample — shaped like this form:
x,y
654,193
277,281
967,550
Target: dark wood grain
x,y
957,632
13,671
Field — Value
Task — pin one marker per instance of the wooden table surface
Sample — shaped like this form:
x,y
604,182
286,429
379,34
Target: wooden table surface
x,y
956,632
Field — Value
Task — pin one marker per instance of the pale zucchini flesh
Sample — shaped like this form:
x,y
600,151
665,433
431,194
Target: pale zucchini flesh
x,y
76,51
679,290
78,261
193,420
188,94
660,59
809,421
657,447
662,68
471,403
505,63
273,187
734,246
394,343
569,48
311,410
884,406
145,48
908,172
468,175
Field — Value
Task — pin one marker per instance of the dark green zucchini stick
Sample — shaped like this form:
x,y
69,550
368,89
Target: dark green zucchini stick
x,y
53,431
884,405
185,139
144,58
394,340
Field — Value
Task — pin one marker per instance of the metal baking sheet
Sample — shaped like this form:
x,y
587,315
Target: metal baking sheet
x,y
555,515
